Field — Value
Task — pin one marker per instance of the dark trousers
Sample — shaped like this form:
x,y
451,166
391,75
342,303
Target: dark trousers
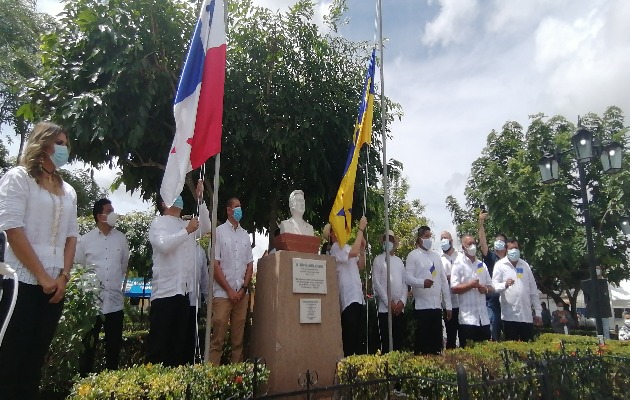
x,y
168,323
428,331
192,334
352,330
398,331
452,326
521,331
473,333
112,323
26,340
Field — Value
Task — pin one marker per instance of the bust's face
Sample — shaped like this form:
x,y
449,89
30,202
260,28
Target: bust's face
x,y
297,204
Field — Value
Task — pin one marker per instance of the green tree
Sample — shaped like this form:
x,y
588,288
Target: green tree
x,y
291,96
547,219
20,32
405,216
5,162
88,191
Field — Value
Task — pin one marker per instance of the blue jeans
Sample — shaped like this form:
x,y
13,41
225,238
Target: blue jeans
x,y
494,313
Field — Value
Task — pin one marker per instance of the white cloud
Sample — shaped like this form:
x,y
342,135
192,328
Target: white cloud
x,y
585,58
511,15
52,7
453,24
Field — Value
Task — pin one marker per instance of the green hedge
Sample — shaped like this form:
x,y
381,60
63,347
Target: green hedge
x,y
157,382
600,377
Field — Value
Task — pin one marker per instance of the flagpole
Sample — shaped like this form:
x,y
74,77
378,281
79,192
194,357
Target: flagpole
x,y
213,230
385,177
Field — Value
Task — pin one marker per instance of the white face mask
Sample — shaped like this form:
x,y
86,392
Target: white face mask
x,y
427,243
388,246
471,250
446,244
626,322
112,218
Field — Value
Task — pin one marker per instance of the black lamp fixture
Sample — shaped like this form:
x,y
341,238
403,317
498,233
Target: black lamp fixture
x,y
611,157
587,146
549,168
582,142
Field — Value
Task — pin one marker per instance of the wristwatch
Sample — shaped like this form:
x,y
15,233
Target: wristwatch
x,y
65,274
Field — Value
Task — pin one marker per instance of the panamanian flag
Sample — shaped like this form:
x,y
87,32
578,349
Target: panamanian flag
x,y
199,101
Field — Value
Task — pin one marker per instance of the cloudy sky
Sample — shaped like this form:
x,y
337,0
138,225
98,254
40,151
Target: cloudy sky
x,y
461,68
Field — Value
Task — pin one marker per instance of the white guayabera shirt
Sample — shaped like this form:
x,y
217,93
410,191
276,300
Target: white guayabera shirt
x,y
472,304
109,256
517,300
47,219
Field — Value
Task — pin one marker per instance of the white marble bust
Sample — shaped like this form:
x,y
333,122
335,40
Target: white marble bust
x,y
296,224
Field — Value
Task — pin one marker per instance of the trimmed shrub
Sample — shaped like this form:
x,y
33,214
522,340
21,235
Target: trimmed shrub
x,y
576,368
204,382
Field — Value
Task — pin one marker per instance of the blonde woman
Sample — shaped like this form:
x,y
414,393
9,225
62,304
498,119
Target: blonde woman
x,y
38,212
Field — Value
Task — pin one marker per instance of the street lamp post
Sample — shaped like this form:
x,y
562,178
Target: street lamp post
x,y
586,146
590,249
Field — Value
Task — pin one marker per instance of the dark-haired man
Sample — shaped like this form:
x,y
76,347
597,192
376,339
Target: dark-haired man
x,y
233,269
106,250
490,258
513,280
174,252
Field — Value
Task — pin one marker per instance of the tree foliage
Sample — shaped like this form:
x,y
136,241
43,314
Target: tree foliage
x,y
547,219
20,30
291,96
405,216
88,191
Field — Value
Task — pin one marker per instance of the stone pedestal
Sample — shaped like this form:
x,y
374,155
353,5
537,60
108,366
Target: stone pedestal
x,y
291,347
298,243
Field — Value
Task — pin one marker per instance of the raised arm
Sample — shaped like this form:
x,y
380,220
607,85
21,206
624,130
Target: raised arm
x,y
482,234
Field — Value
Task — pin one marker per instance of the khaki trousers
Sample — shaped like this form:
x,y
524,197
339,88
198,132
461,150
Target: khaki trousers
x,y
224,312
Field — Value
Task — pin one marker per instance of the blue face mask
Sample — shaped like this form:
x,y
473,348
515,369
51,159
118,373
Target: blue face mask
x,y
388,247
179,203
499,245
513,255
238,214
60,156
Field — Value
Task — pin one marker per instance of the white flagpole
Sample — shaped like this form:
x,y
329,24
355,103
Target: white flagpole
x,y
213,230
385,178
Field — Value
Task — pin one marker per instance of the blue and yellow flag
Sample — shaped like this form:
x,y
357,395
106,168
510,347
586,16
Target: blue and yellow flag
x,y
341,214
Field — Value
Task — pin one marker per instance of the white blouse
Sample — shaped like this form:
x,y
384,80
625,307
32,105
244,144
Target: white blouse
x,y
48,220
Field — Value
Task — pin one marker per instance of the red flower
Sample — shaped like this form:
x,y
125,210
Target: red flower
x,y
238,379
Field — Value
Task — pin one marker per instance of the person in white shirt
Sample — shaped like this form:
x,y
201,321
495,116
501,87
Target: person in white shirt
x,y
38,212
470,281
174,246
199,279
398,290
624,331
233,269
105,249
350,259
449,255
425,274
512,278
